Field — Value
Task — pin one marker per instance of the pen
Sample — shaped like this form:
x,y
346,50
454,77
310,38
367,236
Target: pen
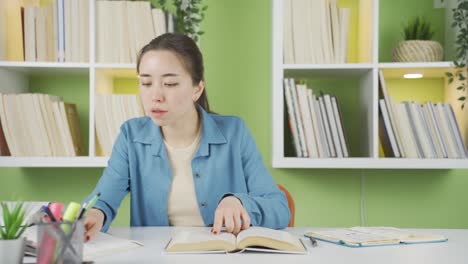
x,y
49,213
89,205
313,241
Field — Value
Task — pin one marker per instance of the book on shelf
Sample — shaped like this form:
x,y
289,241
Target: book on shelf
x,y
251,239
112,110
374,236
315,31
40,125
315,123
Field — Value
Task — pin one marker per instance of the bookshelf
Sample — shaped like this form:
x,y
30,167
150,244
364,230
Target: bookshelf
x,y
361,72
87,79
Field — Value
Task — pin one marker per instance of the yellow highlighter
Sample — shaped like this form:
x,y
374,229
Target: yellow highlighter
x,y
70,215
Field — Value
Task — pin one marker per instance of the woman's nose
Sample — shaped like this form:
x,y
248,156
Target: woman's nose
x,y
157,94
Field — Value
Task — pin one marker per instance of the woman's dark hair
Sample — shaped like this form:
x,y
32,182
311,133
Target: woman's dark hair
x,y
187,51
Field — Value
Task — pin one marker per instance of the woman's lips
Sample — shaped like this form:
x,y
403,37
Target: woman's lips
x,y
158,113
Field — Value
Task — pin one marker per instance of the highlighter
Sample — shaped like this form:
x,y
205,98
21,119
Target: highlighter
x,y
70,215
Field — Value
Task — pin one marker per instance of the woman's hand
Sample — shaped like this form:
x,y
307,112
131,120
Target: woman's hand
x,y
232,215
93,222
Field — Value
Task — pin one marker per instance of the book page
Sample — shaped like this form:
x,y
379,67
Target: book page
x,y
266,237
201,240
402,235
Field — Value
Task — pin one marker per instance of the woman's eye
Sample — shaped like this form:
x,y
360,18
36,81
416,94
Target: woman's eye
x,y
146,84
171,84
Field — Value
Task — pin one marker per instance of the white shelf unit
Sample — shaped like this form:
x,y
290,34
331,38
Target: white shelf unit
x,y
367,73
16,75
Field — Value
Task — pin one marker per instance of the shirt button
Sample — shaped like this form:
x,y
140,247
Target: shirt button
x,y
197,175
203,204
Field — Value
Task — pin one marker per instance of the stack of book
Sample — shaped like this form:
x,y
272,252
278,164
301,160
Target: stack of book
x,y
124,27
39,125
315,122
55,31
315,31
413,130
111,112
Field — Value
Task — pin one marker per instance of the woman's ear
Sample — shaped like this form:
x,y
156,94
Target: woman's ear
x,y
198,90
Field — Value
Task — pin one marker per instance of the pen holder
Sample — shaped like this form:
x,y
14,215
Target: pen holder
x,y
60,242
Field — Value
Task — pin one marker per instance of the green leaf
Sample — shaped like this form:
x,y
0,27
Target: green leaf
x,y
460,88
463,106
448,74
450,80
461,98
6,215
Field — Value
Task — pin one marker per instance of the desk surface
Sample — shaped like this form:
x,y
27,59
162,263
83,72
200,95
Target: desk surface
x,y
155,239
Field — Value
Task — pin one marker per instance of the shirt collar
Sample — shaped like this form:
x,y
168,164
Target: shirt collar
x,y
211,134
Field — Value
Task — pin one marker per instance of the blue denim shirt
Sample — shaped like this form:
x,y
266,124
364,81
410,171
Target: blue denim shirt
x,y
227,161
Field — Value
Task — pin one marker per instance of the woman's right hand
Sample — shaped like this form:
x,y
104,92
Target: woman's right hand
x,y
93,222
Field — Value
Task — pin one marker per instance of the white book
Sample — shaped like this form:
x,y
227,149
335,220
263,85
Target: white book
x,y
100,28
29,33
312,33
84,30
59,119
333,126
421,131
132,29
68,5
101,125
345,14
308,128
335,30
388,104
60,8
119,33
432,131
326,125
388,129
292,118
159,21
41,34
412,122
327,45
288,50
48,123
398,127
426,131
14,125
299,118
300,36
3,33
313,115
75,33
51,32
339,124
406,131
445,129
321,128
30,124
437,128
460,146
146,23
41,130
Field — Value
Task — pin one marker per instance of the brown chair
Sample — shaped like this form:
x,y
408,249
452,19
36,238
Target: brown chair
x,y
290,204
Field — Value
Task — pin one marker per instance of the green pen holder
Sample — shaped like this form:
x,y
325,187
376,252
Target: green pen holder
x,y
60,242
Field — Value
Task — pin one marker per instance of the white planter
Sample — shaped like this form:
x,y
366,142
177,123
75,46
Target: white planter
x,y
11,251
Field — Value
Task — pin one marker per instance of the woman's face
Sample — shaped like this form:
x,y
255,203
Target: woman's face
x,y
166,88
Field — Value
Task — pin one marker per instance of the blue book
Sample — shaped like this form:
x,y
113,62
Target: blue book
x,y
373,236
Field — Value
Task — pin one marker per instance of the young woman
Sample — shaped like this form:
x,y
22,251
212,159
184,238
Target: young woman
x,y
182,164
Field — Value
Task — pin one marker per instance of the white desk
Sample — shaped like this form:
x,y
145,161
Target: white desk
x,y
155,239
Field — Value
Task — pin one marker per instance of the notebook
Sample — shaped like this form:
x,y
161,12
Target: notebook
x,y
374,236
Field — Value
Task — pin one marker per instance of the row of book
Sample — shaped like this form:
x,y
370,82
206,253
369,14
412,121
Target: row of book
x,y
124,27
58,30
315,31
315,122
39,125
112,110
413,130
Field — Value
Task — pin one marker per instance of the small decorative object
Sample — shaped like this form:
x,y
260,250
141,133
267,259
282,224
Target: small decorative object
x,y
417,45
460,23
188,16
11,243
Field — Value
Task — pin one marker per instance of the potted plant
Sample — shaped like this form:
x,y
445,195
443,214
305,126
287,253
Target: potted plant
x,y
187,16
418,45
11,243
458,77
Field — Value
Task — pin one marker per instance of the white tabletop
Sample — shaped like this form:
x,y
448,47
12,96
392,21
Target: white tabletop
x,y
155,239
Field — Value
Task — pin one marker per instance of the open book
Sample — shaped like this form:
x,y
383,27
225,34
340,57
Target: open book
x,y
373,236
254,239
